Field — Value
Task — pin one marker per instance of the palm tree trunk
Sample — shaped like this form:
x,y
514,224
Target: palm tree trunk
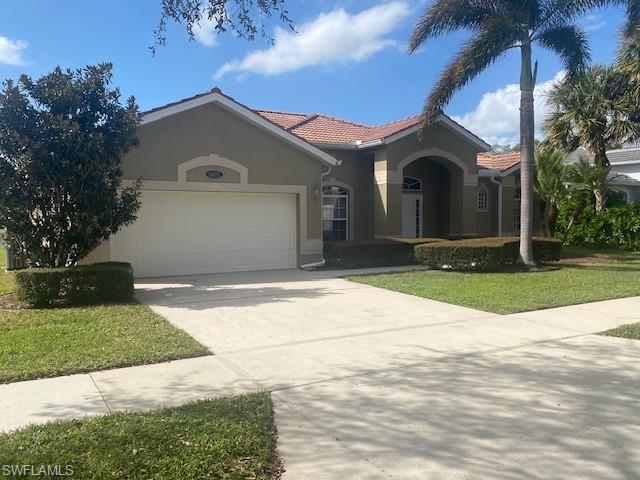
x,y
553,219
527,83
600,192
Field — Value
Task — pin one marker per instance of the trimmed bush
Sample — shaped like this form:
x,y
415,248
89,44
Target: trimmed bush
x,y
109,282
376,253
475,254
482,253
547,249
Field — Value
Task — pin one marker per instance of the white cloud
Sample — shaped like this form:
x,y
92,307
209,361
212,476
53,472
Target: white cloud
x,y
497,117
592,23
205,32
332,38
11,51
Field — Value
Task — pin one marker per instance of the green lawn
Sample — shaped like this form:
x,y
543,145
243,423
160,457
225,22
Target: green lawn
x,y
36,343
52,342
625,331
584,277
231,439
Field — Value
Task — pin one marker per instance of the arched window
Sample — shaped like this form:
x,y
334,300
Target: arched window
x,y
517,195
410,183
335,213
483,199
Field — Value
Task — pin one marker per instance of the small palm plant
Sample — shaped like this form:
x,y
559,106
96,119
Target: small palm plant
x,y
498,26
587,182
550,185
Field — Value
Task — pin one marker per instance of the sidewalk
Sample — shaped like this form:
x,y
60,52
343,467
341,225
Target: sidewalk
x,y
178,382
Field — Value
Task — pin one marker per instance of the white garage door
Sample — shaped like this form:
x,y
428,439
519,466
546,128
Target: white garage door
x,y
180,233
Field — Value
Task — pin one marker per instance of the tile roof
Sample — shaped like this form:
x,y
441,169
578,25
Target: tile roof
x,y
317,128
500,162
324,129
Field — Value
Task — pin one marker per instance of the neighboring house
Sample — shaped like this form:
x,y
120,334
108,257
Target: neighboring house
x,y
625,170
228,188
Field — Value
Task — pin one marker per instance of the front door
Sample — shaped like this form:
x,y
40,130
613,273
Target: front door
x,y
412,215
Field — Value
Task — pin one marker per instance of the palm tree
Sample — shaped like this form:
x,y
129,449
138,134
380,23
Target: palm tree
x,y
550,186
594,111
498,26
585,179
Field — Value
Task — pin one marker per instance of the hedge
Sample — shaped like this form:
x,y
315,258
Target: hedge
x,y
375,253
483,253
108,282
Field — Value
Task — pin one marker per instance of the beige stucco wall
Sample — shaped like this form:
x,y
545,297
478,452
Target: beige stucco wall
x,y
356,173
212,130
451,150
199,174
435,137
488,221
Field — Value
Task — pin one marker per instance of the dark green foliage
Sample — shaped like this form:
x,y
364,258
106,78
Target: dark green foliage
x,y
547,249
226,438
614,227
245,18
81,285
377,253
62,138
482,254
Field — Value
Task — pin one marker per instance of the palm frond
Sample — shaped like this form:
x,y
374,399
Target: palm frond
x,y
632,26
476,55
571,44
551,173
450,15
560,12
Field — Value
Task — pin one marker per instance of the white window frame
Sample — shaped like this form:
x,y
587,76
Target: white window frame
x,y
483,203
346,195
517,203
414,181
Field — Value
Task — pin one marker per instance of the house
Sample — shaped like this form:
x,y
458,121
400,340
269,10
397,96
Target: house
x,y
229,188
625,170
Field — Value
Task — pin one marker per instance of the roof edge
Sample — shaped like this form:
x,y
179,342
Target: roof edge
x,y
216,96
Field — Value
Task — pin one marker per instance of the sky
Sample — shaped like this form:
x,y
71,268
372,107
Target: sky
x,y
347,58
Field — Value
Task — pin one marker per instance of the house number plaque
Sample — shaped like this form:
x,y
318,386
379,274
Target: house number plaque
x,y
214,174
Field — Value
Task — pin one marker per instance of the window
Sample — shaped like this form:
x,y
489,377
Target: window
x,y
516,209
410,183
483,199
335,213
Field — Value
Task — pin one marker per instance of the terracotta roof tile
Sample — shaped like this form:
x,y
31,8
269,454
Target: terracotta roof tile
x,y
327,129
500,162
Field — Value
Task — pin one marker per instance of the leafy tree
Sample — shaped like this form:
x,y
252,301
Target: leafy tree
x,y
246,18
62,138
498,26
594,111
550,186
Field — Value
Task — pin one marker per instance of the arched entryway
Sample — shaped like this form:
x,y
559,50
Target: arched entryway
x,y
431,197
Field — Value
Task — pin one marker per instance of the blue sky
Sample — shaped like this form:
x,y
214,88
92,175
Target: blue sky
x,y
360,72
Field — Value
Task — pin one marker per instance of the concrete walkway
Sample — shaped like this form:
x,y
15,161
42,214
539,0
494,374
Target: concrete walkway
x,y
370,383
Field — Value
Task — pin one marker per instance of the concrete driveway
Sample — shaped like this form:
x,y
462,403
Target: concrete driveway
x,y
370,383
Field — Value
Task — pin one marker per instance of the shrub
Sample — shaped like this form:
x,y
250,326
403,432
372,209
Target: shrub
x,y
476,254
375,253
482,253
82,285
615,227
547,249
